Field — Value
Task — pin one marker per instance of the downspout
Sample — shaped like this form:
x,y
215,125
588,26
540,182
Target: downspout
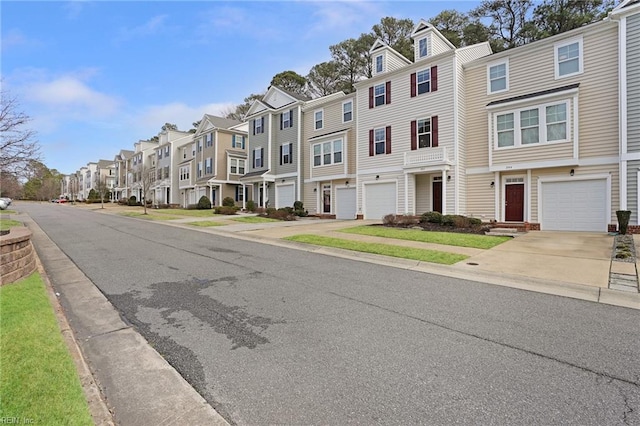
x,y
299,161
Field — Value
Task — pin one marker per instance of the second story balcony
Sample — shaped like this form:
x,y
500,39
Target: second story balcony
x,y
427,157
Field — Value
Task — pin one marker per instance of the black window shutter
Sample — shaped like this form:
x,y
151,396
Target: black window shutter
x,y
371,147
370,97
281,155
262,157
253,122
291,118
253,158
262,125
281,120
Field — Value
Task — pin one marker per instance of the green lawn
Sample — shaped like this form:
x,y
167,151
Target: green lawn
x,y
254,219
432,256
8,223
206,223
184,212
39,383
446,238
151,215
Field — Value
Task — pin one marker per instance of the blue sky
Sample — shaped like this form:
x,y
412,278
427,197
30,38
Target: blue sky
x,y
95,77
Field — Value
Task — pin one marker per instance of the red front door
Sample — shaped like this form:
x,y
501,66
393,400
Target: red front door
x,y
514,203
437,196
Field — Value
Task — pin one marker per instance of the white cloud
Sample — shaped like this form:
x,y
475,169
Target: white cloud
x,y
351,17
15,38
70,95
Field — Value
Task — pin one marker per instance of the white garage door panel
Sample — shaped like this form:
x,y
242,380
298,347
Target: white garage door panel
x,y
285,197
345,203
380,200
574,206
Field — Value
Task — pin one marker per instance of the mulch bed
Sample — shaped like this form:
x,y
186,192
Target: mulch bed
x,y
480,230
624,249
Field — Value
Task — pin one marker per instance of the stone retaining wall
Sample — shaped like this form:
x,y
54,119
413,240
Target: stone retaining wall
x,y
17,259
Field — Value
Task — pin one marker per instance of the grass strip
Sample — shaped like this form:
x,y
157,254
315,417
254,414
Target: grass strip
x,y
206,223
148,216
445,238
432,256
39,383
8,224
184,212
254,219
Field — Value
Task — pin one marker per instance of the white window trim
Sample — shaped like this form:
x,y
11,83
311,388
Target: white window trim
x,y
426,41
286,123
430,133
375,64
315,121
288,146
343,112
257,125
542,125
322,153
384,94
563,43
257,154
493,64
384,141
428,69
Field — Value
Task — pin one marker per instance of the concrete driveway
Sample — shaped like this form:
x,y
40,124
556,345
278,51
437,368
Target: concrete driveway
x,y
573,257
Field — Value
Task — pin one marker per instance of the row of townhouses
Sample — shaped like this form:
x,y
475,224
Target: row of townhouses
x,y
546,134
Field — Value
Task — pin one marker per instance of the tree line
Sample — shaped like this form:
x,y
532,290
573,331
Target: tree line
x,y
504,24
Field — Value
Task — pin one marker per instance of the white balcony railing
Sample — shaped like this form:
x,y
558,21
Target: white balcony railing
x,y
426,157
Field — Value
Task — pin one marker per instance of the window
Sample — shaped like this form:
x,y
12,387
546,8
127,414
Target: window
x,y
423,81
166,171
166,151
379,94
193,150
184,153
237,166
379,140
257,158
286,151
498,77
285,118
347,111
237,141
258,125
378,64
184,173
199,169
530,133
505,130
239,194
159,154
422,47
199,146
532,125
556,116
326,153
209,140
568,58
318,119
208,166
424,133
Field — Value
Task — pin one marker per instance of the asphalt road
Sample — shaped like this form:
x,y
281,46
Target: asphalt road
x,y
270,335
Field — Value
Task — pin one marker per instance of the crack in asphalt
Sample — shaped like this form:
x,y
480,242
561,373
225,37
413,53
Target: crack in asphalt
x,y
503,344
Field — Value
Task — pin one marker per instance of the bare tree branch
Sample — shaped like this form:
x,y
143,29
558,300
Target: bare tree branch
x,y
18,147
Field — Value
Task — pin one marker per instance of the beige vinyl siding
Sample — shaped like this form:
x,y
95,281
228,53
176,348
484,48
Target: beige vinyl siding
x,y
532,153
438,45
258,141
597,103
391,62
280,137
461,170
633,83
423,193
481,196
633,167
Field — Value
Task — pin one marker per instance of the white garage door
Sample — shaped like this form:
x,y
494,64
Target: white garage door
x,y
574,206
285,196
345,203
379,200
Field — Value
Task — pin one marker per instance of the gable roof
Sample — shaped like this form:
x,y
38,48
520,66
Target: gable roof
x,y
424,26
381,45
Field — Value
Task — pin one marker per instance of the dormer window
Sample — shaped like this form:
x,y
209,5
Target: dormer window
x,y
378,64
422,48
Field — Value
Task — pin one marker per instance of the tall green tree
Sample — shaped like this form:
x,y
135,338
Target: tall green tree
x,y
451,25
396,33
351,57
324,79
558,16
508,27
290,81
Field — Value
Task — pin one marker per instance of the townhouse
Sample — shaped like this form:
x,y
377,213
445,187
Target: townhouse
x,y
220,161
541,138
410,131
122,163
274,174
142,168
627,15
106,173
164,188
329,156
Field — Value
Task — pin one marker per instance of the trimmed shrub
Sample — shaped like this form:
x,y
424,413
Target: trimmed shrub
x,y
93,195
251,206
298,209
623,220
448,219
431,217
204,203
225,210
228,202
133,201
